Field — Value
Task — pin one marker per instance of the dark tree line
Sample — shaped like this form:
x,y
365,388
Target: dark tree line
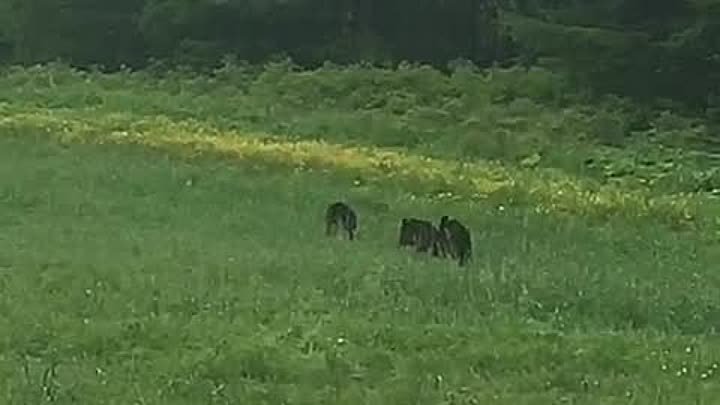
x,y
199,32
667,49
649,49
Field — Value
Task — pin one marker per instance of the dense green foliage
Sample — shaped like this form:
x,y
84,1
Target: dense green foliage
x,y
163,241
201,32
647,49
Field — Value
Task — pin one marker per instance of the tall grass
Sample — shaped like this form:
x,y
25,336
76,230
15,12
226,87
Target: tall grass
x,y
238,109
137,276
163,243
548,191
533,119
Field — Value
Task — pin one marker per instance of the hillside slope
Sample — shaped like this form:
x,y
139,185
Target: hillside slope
x,y
153,258
126,270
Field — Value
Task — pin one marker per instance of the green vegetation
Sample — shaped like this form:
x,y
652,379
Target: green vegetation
x,y
163,240
660,51
165,166
537,144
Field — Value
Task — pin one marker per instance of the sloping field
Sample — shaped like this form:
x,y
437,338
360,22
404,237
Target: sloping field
x,y
148,259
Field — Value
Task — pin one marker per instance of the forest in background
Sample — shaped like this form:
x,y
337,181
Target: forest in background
x,y
660,52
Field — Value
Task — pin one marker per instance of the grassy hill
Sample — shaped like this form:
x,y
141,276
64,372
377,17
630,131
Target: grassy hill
x,y
163,242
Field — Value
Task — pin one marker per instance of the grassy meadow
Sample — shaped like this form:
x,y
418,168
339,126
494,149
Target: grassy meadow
x,y
162,240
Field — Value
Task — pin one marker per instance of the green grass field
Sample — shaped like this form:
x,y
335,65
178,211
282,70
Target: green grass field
x,y
152,258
